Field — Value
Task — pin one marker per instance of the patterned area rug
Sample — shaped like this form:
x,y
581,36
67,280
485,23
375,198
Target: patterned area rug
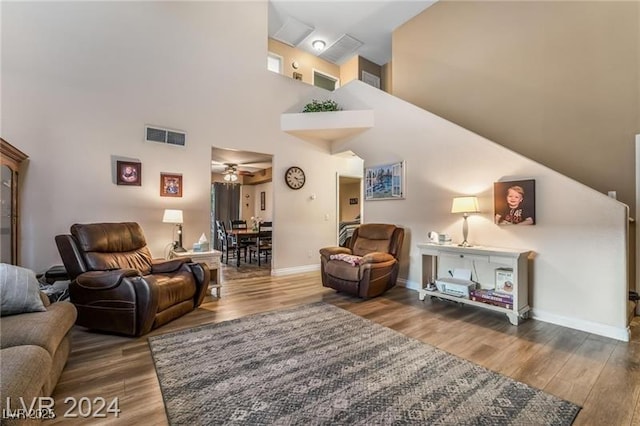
x,y
320,365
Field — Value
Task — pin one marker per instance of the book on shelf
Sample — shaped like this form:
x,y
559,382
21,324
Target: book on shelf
x,y
492,295
492,302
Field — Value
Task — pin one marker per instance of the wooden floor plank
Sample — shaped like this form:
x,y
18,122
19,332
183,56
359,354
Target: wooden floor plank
x,y
598,373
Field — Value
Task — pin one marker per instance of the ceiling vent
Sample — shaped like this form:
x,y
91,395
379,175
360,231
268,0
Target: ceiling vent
x,y
293,32
171,137
342,49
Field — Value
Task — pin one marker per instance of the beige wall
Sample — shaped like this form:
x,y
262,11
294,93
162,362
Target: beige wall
x,y
555,81
349,70
306,62
91,102
444,160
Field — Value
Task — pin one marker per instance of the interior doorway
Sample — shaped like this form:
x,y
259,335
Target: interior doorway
x,y
349,204
241,190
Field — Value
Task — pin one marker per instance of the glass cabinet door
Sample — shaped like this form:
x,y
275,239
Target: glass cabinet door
x,y
6,215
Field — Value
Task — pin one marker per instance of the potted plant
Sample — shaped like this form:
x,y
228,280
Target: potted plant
x,y
321,106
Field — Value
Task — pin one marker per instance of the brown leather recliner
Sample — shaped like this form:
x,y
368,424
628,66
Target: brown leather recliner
x,y
368,266
117,287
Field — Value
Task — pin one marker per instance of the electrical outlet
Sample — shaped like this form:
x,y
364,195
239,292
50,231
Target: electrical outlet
x,y
309,253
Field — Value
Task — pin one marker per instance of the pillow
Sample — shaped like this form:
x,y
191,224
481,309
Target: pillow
x,y
349,258
19,291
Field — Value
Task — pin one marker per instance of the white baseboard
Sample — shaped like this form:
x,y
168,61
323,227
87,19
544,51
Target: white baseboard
x,y
612,332
295,270
618,333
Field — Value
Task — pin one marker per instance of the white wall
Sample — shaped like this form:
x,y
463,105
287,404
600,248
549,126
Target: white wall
x,y
80,81
579,270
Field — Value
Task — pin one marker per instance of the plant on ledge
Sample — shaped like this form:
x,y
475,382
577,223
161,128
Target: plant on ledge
x,y
318,106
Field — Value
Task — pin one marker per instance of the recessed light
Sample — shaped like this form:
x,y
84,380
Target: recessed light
x,y
318,45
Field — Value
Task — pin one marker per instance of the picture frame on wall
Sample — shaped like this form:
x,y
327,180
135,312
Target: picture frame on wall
x,y
129,173
385,182
170,185
514,202
263,200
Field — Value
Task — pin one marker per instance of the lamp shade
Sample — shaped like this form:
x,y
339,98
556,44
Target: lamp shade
x,y
172,216
465,205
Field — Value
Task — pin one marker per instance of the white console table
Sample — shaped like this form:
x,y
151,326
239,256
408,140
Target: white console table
x,y
437,260
211,259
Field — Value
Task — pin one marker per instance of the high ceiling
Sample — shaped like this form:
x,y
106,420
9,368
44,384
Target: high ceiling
x,y
245,160
369,22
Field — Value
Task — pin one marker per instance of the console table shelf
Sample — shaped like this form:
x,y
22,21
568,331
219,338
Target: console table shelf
x,y
483,262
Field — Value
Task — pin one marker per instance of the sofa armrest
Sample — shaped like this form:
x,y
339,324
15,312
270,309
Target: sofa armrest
x,y
328,251
202,276
104,280
376,257
161,266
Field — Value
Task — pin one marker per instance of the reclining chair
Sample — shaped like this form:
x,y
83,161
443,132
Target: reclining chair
x,y
117,287
368,266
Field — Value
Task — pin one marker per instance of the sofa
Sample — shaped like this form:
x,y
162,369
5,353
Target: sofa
x,y
118,287
368,266
34,346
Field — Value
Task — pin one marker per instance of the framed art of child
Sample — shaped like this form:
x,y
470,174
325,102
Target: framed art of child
x,y
515,202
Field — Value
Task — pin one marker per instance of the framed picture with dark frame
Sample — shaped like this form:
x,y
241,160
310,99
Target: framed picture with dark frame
x,y
384,182
129,173
263,200
170,185
514,202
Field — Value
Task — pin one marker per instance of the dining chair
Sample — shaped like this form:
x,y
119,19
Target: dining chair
x,y
228,243
263,243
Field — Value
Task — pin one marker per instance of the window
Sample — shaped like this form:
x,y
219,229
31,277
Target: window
x,y
325,81
274,63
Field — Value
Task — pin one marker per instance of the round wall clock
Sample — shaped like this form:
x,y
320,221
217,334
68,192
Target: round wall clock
x,y
294,176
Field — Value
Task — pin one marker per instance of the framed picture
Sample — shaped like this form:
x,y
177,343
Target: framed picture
x,y
385,182
353,201
297,76
129,173
514,202
170,185
263,200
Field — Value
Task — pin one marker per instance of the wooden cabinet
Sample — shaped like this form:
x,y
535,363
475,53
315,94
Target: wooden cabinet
x,y
10,159
487,265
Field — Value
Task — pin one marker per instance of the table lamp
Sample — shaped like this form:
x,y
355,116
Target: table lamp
x,y
465,205
175,216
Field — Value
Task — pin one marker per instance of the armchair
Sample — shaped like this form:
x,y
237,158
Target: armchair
x,y
117,287
368,266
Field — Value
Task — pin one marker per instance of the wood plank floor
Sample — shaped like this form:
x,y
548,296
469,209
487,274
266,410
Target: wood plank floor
x,y
599,374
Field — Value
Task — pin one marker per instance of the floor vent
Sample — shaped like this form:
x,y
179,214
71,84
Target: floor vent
x,y
171,137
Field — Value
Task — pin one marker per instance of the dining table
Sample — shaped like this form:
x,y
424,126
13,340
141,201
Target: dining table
x,y
242,235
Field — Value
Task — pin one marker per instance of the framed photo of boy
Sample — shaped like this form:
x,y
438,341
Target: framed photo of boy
x,y
385,182
170,185
515,202
129,173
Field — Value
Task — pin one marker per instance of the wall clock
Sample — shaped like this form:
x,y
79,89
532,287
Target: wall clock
x,y
294,176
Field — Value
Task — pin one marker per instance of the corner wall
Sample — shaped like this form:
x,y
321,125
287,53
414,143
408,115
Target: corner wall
x,y
580,239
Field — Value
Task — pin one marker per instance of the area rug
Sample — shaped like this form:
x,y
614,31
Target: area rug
x,y
321,365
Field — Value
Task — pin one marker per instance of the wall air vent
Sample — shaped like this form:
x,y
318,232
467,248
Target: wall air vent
x,y
293,32
342,49
171,137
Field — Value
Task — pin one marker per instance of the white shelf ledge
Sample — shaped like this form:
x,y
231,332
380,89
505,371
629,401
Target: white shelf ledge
x,y
329,126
